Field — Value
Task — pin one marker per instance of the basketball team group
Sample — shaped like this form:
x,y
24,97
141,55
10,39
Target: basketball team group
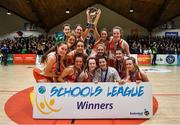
x,y
82,57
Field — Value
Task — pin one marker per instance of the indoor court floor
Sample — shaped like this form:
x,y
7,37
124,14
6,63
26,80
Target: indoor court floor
x,y
165,88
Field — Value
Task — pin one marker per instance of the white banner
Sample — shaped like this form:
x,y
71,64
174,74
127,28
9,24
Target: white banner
x,y
90,100
170,59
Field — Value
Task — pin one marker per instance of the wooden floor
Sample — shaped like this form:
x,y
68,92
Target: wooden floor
x,y
166,89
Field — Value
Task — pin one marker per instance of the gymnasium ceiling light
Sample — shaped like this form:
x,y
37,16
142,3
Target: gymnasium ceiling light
x,y
131,10
67,10
8,12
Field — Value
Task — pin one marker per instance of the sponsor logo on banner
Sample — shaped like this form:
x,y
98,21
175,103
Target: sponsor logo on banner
x,y
170,59
24,58
171,34
18,59
166,59
45,107
144,59
146,112
89,100
29,58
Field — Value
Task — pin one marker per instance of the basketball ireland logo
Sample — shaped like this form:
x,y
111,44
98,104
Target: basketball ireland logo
x,y
45,106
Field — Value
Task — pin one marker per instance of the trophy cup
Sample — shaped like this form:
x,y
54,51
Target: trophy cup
x,y
92,15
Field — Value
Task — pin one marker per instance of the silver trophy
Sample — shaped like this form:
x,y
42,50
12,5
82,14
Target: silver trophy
x,y
92,14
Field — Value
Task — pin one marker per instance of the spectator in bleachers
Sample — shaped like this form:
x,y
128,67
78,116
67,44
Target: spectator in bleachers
x,y
24,50
146,50
178,49
39,54
164,45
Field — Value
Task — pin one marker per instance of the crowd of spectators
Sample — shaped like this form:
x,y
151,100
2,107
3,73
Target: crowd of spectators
x,y
144,44
28,45
138,44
